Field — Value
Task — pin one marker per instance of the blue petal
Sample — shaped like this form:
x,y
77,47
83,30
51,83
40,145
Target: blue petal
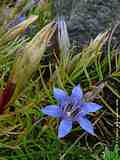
x,y
59,94
90,107
21,18
86,125
51,110
64,128
77,92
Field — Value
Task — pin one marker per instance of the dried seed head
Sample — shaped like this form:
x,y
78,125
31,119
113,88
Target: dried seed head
x,y
63,38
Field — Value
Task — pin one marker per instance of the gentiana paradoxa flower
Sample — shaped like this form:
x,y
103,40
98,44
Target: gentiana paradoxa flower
x,y
16,21
71,109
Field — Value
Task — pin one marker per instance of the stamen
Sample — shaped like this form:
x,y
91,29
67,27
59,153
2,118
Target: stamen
x,y
68,106
75,112
71,109
68,114
65,107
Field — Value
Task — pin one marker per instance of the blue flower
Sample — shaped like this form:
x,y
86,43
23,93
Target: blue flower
x,y
21,18
16,21
71,109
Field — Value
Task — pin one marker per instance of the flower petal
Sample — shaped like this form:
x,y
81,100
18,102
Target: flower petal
x,y
90,107
59,94
21,18
64,128
86,125
51,110
77,92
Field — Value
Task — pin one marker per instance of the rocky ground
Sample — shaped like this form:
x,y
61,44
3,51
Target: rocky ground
x,y
87,18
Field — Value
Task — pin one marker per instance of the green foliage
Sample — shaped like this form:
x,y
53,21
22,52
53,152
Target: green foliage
x,y
25,133
112,155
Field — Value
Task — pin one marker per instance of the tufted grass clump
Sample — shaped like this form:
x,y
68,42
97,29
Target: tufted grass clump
x,y
109,155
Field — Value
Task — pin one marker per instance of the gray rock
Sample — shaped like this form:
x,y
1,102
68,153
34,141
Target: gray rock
x,y
86,18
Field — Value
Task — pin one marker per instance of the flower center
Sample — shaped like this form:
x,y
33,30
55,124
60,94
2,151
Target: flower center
x,y
71,109
68,114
